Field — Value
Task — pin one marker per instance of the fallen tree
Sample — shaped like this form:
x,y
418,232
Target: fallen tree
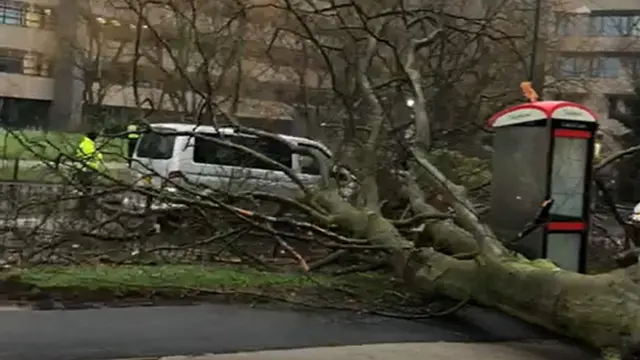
x,y
461,257
598,309
455,254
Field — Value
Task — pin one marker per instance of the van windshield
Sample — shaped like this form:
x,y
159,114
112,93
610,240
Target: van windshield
x,y
156,145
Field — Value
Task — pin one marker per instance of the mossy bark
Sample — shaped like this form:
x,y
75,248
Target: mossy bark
x,y
600,310
597,309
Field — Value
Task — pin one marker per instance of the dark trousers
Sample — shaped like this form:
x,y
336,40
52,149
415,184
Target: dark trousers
x,y
131,147
631,234
86,180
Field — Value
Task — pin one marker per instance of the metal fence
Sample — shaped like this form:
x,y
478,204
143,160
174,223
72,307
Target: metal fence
x,y
30,198
41,223
34,217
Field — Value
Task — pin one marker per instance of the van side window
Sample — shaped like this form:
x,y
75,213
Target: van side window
x,y
309,164
208,152
156,145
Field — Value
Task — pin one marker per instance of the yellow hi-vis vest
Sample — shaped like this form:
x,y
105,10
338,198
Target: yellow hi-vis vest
x,y
130,130
597,151
88,154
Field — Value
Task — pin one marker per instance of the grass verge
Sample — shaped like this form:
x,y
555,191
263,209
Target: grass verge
x,y
119,283
44,174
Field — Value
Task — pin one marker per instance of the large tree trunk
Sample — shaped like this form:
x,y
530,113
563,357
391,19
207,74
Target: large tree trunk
x,y
600,310
463,259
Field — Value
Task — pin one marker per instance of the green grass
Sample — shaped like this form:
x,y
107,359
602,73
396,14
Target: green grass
x,y
121,284
35,145
133,278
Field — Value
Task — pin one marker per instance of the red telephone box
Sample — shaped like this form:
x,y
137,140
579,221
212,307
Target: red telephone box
x,y
544,150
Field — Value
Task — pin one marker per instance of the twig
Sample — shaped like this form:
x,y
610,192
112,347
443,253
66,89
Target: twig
x,y
360,268
421,218
301,261
615,157
329,259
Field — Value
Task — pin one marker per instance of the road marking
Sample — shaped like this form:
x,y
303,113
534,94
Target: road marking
x,y
15,308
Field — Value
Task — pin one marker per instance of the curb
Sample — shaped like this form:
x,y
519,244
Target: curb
x,y
405,351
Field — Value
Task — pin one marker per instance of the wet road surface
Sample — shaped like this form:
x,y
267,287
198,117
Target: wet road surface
x,y
177,330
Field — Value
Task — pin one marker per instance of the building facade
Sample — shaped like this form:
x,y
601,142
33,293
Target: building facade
x,y
62,61
597,45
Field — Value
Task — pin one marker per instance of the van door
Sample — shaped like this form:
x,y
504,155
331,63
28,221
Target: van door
x,y
153,160
264,175
231,169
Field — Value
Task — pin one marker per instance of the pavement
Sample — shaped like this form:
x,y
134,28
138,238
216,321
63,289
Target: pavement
x,y
154,332
410,351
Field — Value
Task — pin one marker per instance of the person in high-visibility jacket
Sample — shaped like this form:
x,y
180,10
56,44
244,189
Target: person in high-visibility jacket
x,y
89,163
597,148
89,158
132,141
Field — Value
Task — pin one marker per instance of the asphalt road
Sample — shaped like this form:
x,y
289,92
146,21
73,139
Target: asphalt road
x,y
163,331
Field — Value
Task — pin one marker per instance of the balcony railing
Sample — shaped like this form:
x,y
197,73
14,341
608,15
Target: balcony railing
x,y
19,13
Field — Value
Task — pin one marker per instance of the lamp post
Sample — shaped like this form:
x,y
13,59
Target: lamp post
x,y
533,74
534,46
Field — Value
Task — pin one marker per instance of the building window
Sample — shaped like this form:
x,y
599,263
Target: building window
x,y
38,17
566,25
21,113
609,26
20,62
10,13
22,14
46,68
30,64
605,67
634,67
33,18
614,26
36,64
634,26
570,67
10,64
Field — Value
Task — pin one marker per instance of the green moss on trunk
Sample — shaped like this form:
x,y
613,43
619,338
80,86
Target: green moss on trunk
x,y
597,309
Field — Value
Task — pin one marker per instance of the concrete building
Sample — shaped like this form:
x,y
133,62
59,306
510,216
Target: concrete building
x,y
62,61
597,49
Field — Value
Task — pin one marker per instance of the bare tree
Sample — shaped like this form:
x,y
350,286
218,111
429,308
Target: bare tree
x,y
455,62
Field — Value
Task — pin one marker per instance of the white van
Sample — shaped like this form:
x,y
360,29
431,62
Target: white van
x,y
164,153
